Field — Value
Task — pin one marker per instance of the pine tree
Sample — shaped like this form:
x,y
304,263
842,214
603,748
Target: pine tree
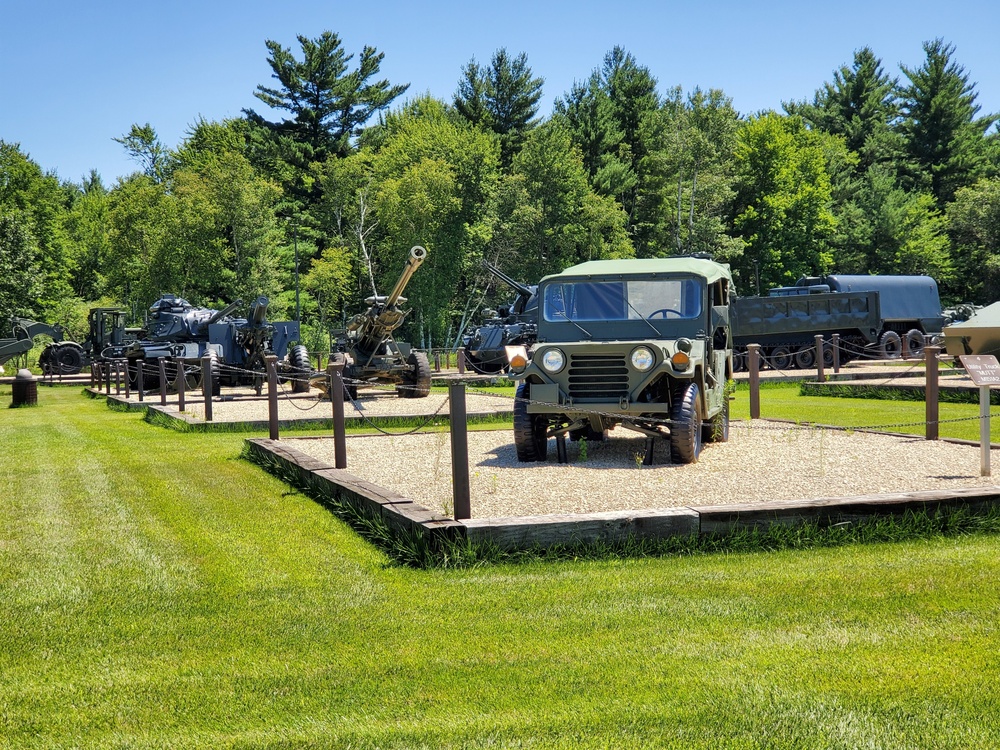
x,y
944,137
502,98
328,102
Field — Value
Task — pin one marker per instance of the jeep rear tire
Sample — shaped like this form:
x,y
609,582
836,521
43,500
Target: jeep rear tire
x,y
530,439
685,425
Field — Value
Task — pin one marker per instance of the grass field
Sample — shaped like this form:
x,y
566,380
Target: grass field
x,y
157,591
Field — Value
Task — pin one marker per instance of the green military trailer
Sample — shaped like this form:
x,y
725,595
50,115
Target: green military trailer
x,y
645,344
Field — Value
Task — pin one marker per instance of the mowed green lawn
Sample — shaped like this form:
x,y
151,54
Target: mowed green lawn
x,y
157,591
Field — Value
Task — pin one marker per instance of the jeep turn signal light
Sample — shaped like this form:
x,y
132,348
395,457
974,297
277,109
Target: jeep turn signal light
x,y
517,356
680,360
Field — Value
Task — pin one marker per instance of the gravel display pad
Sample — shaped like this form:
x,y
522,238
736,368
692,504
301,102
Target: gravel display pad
x,y
763,461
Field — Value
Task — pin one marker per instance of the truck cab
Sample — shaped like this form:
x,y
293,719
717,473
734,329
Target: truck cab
x,y
645,344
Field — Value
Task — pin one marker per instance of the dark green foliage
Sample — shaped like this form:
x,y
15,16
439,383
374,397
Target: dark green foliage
x,y
974,226
20,280
328,102
944,136
502,98
861,107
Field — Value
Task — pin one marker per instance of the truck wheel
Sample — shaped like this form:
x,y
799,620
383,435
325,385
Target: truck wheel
x,y
890,345
69,359
417,382
805,358
298,358
530,439
685,425
780,358
915,342
828,355
716,430
216,371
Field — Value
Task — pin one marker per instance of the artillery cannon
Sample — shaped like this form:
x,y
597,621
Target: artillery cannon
x,y
368,350
178,331
508,325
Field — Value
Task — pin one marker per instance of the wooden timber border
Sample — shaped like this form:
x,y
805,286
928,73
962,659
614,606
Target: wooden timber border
x,y
406,515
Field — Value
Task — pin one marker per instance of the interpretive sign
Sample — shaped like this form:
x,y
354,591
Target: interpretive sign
x,y
985,372
982,368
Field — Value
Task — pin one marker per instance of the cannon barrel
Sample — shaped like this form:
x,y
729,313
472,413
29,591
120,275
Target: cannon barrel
x,y
417,255
518,287
227,310
258,311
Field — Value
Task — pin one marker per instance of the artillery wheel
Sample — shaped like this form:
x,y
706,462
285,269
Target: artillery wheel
x,y
686,425
716,430
530,430
890,345
915,342
298,358
828,355
68,359
417,382
805,358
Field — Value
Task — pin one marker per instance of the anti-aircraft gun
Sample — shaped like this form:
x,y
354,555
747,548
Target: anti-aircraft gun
x,y
178,331
508,325
368,350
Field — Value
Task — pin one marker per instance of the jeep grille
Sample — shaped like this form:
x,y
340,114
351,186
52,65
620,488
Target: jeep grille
x,y
598,377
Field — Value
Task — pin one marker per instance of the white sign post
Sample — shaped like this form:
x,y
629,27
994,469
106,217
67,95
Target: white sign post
x,y
985,372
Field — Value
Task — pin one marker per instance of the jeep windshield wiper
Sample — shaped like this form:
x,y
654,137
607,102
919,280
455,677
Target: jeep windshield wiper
x,y
644,318
562,314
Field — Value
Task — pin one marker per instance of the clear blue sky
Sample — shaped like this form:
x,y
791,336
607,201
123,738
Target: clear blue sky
x,y
75,75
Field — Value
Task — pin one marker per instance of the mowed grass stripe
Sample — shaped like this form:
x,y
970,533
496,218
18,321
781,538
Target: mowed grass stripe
x,y
281,629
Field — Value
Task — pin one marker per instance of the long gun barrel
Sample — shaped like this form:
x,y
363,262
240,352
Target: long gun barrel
x,y
518,287
417,255
371,327
228,310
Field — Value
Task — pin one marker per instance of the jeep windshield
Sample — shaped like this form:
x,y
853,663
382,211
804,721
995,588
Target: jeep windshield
x,y
657,299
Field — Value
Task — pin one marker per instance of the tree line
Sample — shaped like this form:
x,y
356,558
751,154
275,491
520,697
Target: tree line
x,y
875,174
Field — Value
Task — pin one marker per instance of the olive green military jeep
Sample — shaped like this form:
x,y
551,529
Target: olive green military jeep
x,y
644,344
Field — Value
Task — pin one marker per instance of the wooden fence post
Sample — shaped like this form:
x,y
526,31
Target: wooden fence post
x,y
272,394
836,353
163,380
753,363
820,372
931,391
140,369
335,371
459,451
181,385
461,360
207,386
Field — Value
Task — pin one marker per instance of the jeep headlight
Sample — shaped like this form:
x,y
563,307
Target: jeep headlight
x,y
553,360
642,358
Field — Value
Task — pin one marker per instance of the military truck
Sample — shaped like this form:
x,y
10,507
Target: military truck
x,y
644,344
